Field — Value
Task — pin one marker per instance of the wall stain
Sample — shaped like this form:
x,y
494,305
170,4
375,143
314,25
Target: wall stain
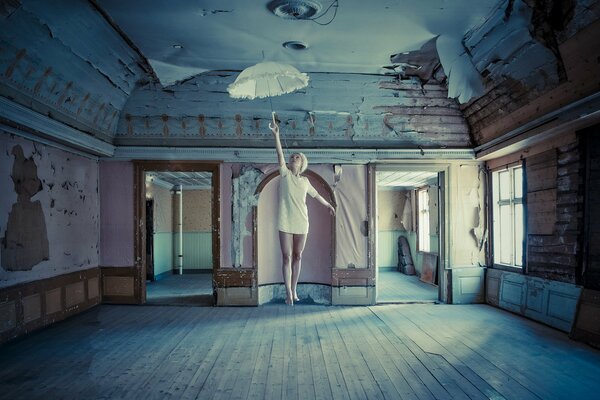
x,y
25,242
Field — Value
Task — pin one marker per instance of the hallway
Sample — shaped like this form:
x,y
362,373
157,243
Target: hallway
x,y
393,351
395,287
180,290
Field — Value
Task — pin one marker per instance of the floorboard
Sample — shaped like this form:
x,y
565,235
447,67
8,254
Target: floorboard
x,y
395,287
409,351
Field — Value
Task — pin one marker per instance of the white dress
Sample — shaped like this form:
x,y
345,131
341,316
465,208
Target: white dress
x,y
293,213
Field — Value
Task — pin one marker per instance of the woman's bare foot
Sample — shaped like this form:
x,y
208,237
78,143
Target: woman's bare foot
x,y
296,298
289,301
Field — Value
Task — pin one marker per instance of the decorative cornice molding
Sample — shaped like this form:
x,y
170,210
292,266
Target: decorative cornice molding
x,y
28,123
257,155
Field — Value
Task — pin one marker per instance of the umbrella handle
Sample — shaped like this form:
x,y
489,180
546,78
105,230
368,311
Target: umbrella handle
x,y
274,121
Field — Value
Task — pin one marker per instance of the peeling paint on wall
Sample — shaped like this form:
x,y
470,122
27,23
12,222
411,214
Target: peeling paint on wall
x,y
467,216
244,198
66,207
25,241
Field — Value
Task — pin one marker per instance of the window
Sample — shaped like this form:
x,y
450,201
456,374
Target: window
x,y
508,222
423,222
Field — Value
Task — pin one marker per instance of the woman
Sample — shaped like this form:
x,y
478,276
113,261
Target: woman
x,y
293,214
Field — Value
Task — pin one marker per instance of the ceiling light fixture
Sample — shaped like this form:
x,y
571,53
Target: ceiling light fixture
x,y
294,9
295,45
178,46
302,10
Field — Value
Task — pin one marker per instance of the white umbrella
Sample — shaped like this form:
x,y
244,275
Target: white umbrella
x,y
267,79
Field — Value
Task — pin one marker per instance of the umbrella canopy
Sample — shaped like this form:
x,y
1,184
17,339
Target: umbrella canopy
x,y
267,79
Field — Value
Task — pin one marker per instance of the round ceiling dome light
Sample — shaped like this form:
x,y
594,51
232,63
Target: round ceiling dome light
x,y
294,9
295,45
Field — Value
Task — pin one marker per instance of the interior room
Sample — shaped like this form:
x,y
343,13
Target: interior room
x,y
408,216
299,199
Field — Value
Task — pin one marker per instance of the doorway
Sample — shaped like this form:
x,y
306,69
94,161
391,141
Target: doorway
x,y
178,245
409,233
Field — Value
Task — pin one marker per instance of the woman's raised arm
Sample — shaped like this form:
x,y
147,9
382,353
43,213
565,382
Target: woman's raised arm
x,y
274,127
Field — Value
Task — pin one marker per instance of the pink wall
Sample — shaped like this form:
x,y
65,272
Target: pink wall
x,y
116,214
317,256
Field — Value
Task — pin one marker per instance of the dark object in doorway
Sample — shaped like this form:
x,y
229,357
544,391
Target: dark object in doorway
x,y
405,262
429,268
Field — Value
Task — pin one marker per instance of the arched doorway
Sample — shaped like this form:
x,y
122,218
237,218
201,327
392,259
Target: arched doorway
x,y
318,257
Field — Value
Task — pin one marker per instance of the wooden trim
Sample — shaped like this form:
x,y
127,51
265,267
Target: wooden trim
x,y
122,272
352,277
235,277
16,295
139,186
372,221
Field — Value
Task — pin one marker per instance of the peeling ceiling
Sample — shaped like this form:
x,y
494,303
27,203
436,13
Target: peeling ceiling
x,y
384,74
182,38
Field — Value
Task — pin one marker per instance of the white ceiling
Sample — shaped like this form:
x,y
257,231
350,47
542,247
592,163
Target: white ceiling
x,y
189,180
405,179
182,38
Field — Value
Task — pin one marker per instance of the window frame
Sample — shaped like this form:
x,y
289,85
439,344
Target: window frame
x,y
421,210
512,201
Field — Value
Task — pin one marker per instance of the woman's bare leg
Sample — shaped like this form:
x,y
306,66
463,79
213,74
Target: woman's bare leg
x,y
299,242
285,241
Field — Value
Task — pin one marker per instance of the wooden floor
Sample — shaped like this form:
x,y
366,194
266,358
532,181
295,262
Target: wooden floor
x,y
186,289
417,351
395,287
196,289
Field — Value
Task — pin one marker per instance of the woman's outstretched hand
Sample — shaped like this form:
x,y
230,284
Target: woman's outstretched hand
x,y
274,126
332,210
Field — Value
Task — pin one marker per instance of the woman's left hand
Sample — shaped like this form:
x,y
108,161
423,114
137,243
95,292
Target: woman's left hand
x,y
332,210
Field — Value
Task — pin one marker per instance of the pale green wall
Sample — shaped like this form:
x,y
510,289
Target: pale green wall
x,y
197,250
163,252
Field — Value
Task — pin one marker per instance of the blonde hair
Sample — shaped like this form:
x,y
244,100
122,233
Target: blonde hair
x,y
304,164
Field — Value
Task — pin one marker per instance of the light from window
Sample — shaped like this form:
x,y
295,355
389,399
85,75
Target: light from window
x,y
508,216
423,223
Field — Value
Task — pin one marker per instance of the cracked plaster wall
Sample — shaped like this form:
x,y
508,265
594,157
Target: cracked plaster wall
x,y
467,227
70,205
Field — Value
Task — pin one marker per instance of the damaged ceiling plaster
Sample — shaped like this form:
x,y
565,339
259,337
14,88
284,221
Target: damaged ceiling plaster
x,y
383,74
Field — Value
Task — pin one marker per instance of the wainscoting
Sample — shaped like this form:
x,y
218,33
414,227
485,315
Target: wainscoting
x,y
353,286
551,302
236,286
30,306
120,285
163,252
197,250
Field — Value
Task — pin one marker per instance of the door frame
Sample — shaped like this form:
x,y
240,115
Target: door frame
x,y
442,169
139,190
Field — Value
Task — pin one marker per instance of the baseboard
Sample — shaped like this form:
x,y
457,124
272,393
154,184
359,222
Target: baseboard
x,y
550,302
30,306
